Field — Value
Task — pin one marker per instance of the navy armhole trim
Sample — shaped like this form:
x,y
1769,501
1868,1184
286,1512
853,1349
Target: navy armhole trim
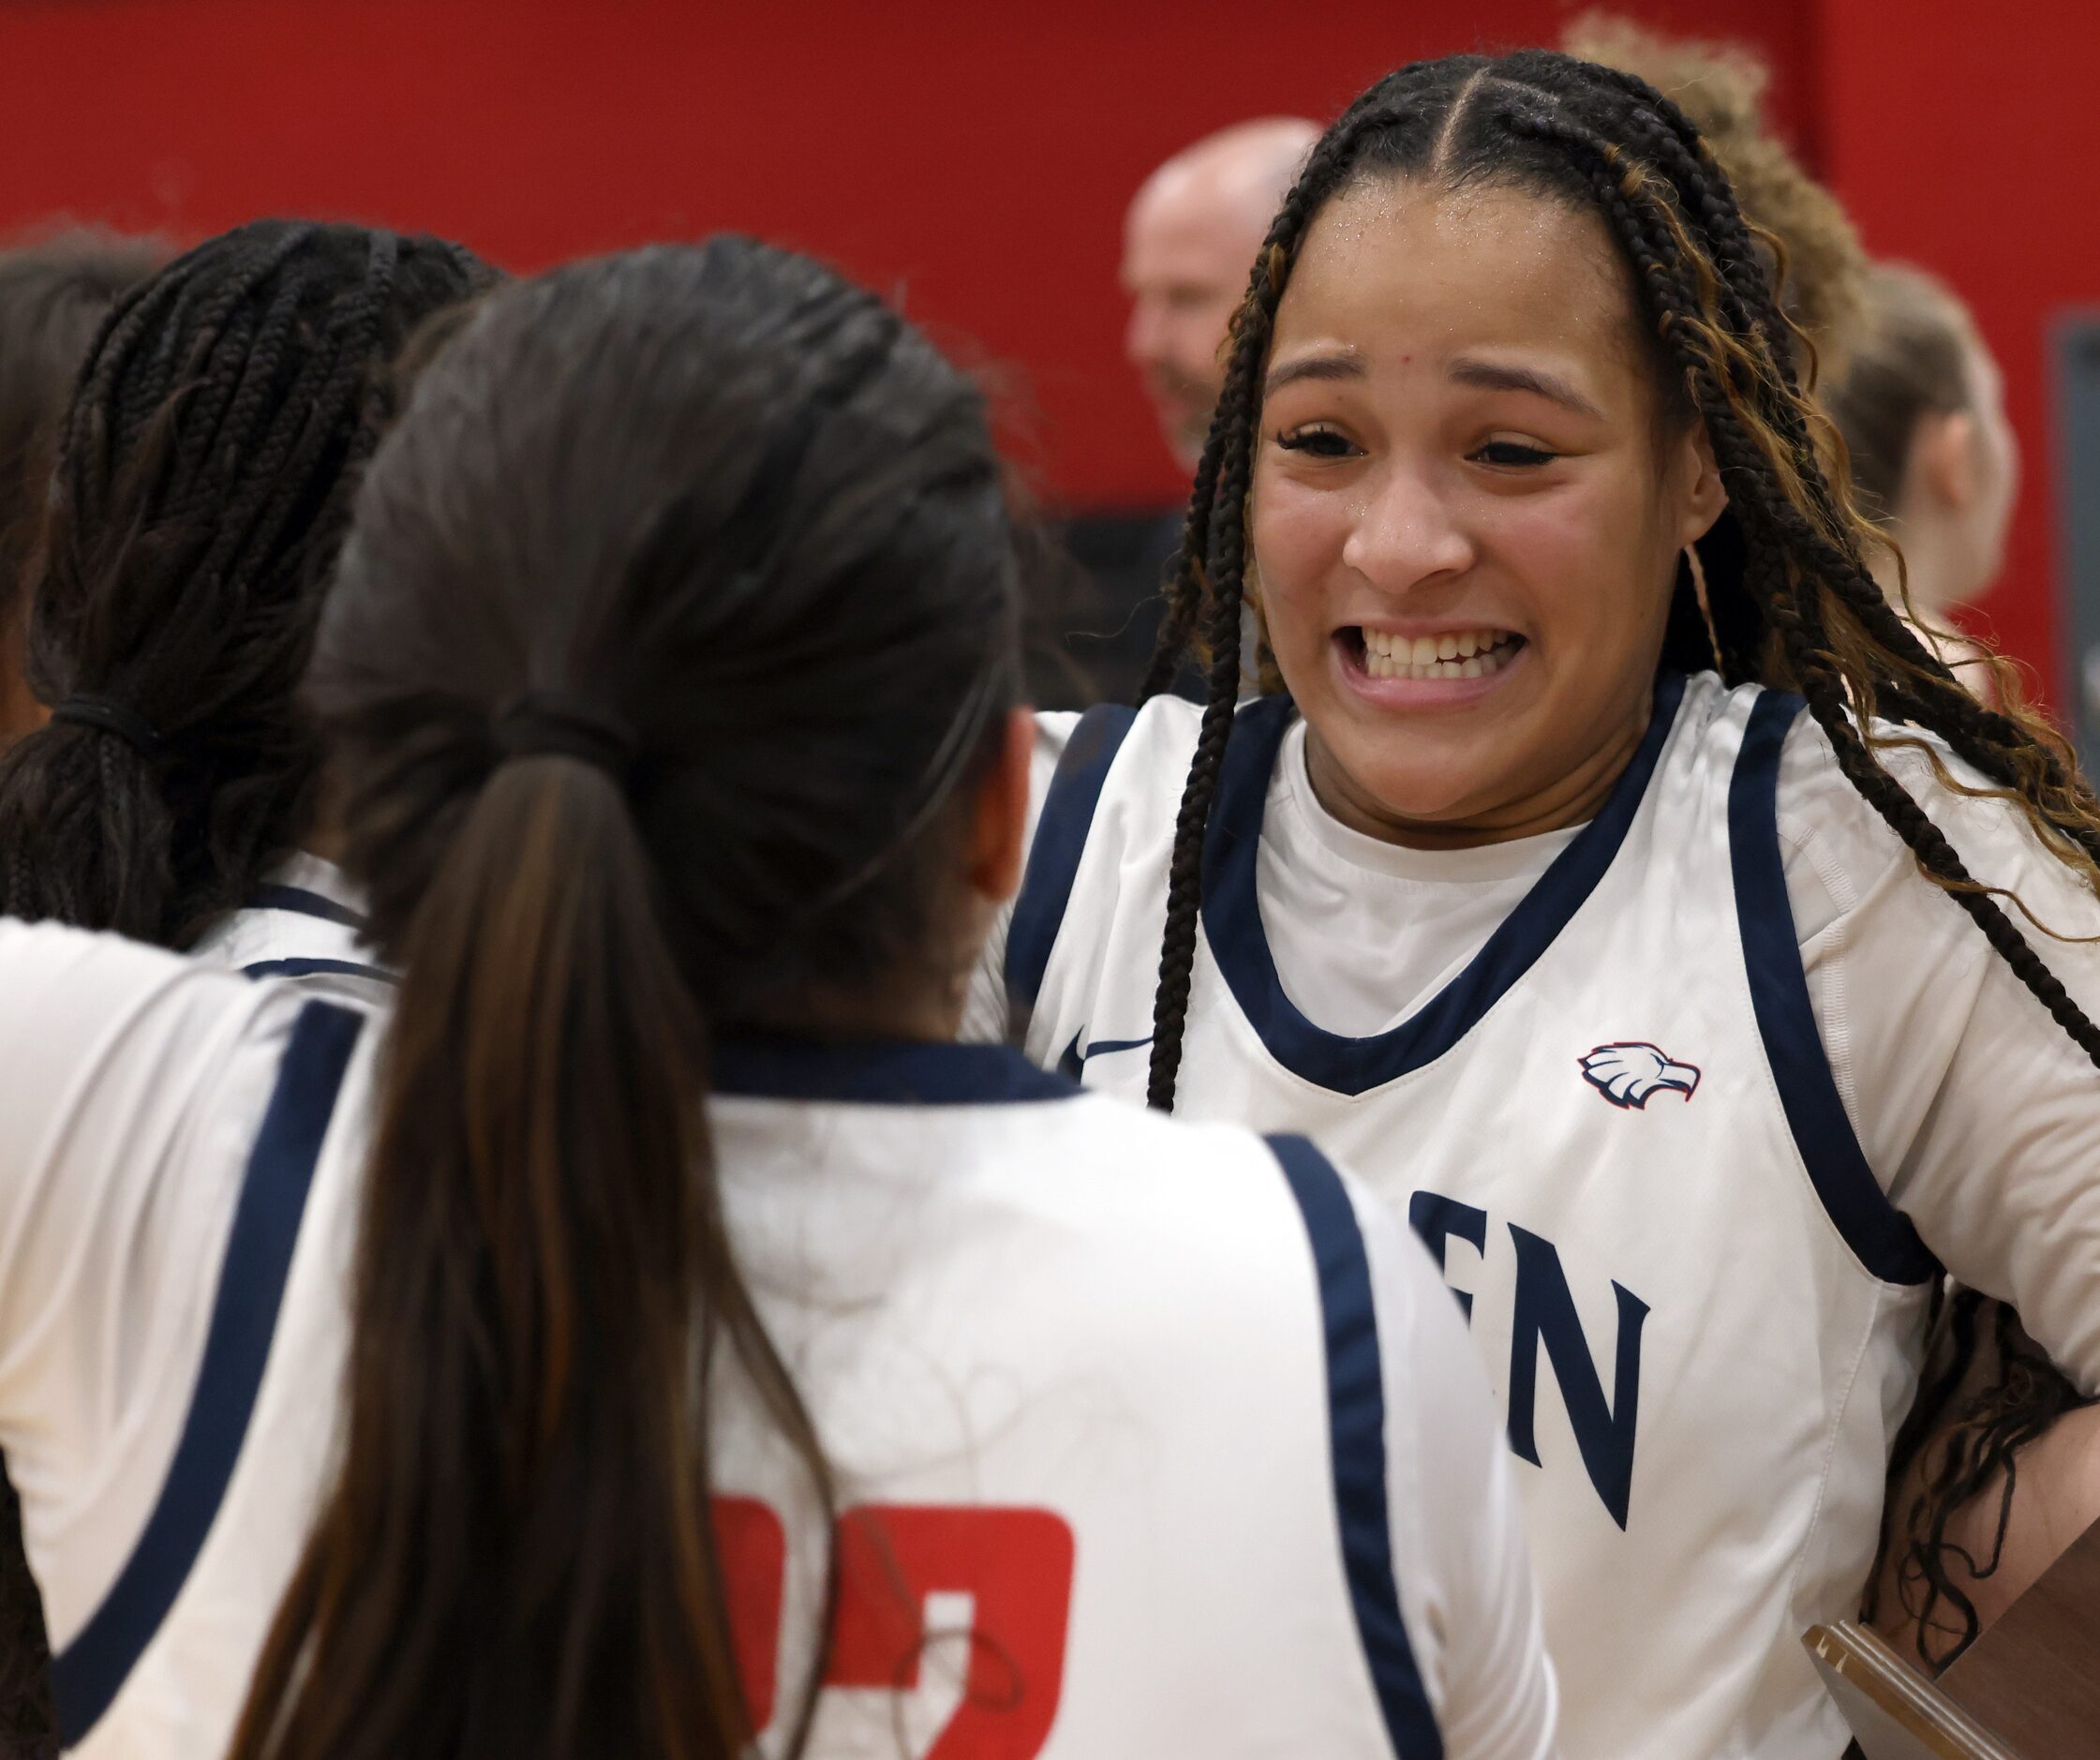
x,y
315,968
1053,857
305,903
87,1675
1356,1420
1878,1234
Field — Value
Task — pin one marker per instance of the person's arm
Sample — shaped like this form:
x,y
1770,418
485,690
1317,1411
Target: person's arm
x,y
1976,1111
1463,1570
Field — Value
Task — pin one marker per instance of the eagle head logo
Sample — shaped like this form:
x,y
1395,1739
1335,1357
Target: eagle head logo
x,y
1628,1073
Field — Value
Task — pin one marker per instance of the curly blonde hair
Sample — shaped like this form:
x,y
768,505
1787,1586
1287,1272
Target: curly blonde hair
x,y
1820,271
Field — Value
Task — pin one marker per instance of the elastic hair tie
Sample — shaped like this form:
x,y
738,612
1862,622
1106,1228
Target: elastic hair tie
x,y
541,723
110,716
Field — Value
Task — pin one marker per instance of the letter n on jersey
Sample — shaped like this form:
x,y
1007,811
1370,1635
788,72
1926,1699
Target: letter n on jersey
x,y
1543,1314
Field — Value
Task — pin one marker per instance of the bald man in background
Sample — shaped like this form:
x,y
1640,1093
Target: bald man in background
x,y
1188,246
1189,241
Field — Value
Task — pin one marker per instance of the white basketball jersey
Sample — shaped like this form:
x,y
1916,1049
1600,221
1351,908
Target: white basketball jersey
x,y
305,923
1151,1438
1616,1130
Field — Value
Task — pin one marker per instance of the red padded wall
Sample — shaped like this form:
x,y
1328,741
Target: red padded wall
x,y
1970,143
977,157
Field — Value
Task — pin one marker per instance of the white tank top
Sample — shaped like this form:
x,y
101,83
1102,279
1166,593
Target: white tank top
x,y
1617,1129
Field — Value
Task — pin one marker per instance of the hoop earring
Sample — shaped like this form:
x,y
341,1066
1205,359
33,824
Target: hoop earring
x,y
1706,607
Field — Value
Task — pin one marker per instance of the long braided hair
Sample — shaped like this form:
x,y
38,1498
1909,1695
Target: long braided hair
x,y
1792,601
201,493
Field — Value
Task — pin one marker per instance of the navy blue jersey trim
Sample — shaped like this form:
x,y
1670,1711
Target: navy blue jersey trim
x,y
314,968
1054,857
305,903
1878,1234
1356,1420
772,1068
1233,913
88,1674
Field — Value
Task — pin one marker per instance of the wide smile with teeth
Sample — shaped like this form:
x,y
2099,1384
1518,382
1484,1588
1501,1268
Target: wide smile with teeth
x,y
1455,654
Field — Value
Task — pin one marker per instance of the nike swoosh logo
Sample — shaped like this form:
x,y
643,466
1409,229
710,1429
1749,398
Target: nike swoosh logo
x,y
1073,1064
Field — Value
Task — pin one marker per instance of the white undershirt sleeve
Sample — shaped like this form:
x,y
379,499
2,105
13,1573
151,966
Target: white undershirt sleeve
x,y
1461,1563
1978,1115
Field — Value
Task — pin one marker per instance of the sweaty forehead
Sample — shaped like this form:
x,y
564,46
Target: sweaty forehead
x,y
1393,265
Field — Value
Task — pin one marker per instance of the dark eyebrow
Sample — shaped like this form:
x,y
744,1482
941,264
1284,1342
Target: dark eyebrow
x,y
1493,375
1312,366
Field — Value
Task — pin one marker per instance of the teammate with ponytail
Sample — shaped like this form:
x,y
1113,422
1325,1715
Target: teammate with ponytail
x,y
1691,974
654,1334
202,485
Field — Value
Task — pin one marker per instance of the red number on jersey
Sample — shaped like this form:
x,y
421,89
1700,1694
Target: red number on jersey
x,y
752,1547
962,1612
977,1598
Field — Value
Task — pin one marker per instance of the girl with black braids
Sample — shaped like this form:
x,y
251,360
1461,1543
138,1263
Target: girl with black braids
x,y
202,489
202,486
1676,973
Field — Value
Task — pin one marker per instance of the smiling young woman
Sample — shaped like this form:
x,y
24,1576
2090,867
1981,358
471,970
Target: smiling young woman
x,y
1500,479
1651,989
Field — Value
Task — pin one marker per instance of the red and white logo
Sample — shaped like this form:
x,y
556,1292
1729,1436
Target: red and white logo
x,y
1630,1072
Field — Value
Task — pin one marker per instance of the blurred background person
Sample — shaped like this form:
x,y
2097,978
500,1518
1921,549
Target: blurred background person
x,y
53,293
1189,241
1899,362
1934,462
1189,244
1721,88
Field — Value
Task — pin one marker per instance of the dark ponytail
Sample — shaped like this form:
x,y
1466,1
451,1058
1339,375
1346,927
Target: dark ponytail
x,y
680,608
201,487
544,1080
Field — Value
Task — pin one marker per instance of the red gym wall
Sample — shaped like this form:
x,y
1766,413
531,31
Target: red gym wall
x,y
1968,139
975,158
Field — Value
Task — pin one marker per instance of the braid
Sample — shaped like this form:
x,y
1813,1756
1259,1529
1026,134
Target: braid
x,y
1184,595
202,486
1177,956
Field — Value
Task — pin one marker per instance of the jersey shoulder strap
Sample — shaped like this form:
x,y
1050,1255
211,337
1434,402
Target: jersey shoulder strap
x,y
89,1673
1061,833
1356,1420
1880,1236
